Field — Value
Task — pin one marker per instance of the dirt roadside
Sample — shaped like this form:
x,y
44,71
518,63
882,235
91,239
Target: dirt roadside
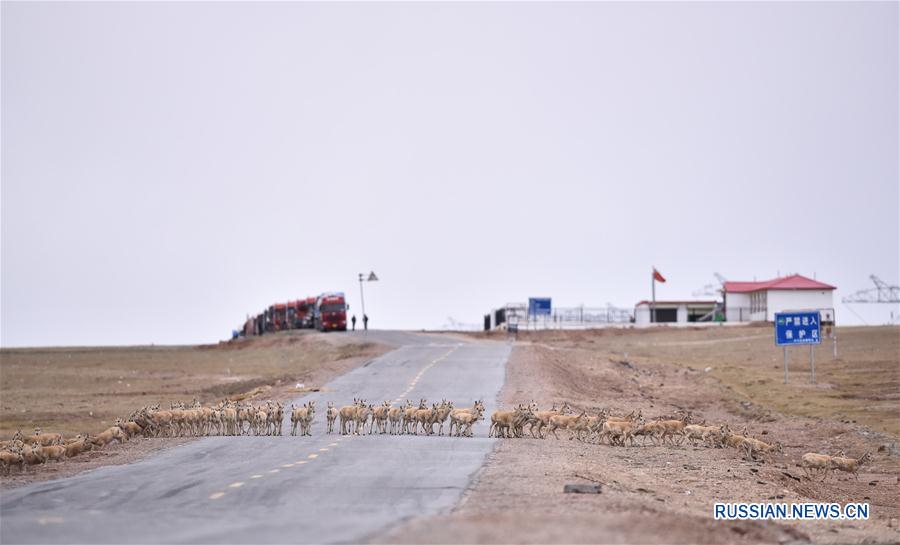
x,y
77,390
665,494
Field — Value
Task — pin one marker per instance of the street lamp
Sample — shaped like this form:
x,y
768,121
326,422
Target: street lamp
x,y
362,297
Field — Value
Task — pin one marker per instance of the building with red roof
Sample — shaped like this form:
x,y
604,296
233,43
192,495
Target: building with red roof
x,y
759,301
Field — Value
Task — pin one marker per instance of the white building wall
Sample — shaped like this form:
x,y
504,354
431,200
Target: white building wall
x,y
681,314
734,303
782,300
642,314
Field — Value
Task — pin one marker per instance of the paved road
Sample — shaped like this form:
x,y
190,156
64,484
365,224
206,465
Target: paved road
x,y
319,489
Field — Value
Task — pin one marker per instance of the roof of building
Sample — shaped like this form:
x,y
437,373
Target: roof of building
x,y
658,303
792,282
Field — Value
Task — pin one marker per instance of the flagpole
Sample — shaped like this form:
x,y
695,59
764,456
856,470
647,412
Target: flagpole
x,y
653,305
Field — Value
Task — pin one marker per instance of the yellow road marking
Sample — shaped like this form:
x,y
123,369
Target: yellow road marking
x,y
216,496
323,450
313,456
274,470
287,465
236,485
255,476
332,444
298,462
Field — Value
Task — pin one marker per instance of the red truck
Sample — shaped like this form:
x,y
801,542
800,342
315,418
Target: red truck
x,y
278,316
330,312
300,313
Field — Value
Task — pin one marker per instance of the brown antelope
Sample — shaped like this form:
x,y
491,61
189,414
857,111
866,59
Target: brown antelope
x,y
131,428
303,417
347,414
464,422
33,454
443,412
363,412
503,423
564,421
76,447
618,431
755,445
395,416
409,415
813,464
331,414
9,458
708,435
380,418
113,433
455,415
541,419
53,452
425,418
45,439
850,465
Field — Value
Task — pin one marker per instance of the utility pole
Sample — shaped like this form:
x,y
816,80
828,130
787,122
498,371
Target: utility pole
x,y
653,279
370,278
362,296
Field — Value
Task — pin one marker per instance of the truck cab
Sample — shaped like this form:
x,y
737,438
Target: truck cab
x,y
331,312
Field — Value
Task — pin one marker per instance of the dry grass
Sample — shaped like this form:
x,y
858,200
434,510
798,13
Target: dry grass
x,y
73,390
861,386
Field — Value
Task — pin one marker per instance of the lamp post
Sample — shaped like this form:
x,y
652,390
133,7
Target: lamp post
x,y
370,278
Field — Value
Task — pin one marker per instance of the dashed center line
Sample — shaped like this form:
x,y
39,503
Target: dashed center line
x,y
421,372
238,484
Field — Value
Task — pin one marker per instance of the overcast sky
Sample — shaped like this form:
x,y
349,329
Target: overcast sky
x,y
168,168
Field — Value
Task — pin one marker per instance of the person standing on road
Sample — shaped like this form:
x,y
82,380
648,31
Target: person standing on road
x,y
365,322
353,321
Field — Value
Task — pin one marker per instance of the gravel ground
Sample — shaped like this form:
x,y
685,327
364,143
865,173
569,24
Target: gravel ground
x,y
655,494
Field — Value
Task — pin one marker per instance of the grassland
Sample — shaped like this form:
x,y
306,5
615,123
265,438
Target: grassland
x,y
862,385
73,390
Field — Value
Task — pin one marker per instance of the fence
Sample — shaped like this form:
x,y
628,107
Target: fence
x,y
569,317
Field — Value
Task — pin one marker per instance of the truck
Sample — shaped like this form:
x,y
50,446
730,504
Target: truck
x,y
330,313
309,321
300,313
278,314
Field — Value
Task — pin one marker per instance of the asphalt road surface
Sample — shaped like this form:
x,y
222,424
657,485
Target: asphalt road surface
x,y
319,489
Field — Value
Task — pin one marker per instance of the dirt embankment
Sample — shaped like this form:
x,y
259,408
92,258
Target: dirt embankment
x,y
664,494
84,390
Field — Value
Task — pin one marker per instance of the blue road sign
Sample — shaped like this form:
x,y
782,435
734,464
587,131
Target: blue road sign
x,y
797,328
538,306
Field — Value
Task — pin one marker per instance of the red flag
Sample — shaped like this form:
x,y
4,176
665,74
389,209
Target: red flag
x,y
658,277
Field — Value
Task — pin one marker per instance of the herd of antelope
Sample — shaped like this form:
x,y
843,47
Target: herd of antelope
x,y
409,419
234,418
671,430
244,418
